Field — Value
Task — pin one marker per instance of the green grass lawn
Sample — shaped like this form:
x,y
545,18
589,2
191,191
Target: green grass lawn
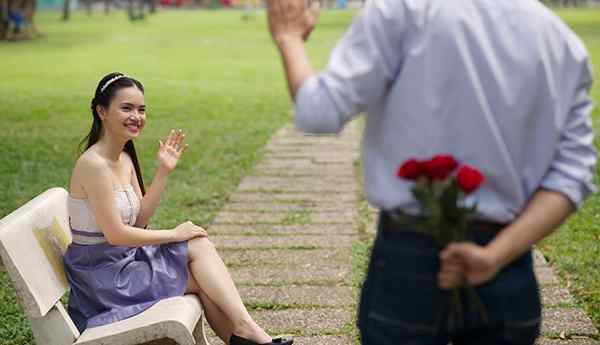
x,y
210,73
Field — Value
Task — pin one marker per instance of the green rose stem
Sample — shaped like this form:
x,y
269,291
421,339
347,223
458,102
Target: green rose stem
x,y
447,221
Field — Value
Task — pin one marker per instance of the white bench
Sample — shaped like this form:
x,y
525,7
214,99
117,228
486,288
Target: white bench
x,y
32,242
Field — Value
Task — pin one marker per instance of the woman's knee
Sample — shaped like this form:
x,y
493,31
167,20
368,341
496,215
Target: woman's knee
x,y
200,244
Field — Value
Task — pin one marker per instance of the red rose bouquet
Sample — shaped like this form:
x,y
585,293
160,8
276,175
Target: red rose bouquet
x,y
441,186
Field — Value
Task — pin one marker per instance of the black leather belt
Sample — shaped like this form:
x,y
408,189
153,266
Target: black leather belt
x,y
393,221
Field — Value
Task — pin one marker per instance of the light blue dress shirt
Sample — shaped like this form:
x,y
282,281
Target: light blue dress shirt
x,y
501,85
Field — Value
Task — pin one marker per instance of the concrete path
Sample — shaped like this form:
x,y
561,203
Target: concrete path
x,y
287,235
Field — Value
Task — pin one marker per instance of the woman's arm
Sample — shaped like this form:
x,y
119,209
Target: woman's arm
x,y
97,183
168,155
149,202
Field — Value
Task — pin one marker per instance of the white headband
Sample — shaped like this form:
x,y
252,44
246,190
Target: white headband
x,y
112,80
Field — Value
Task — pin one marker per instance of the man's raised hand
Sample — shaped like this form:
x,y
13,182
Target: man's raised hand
x,y
292,19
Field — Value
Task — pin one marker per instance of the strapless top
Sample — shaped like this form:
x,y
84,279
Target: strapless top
x,y
85,229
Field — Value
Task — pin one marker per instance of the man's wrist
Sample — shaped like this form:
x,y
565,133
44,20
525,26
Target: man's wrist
x,y
288,40
498,256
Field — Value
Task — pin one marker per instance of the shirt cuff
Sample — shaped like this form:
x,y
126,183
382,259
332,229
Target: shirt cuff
x,y
576,191
315,111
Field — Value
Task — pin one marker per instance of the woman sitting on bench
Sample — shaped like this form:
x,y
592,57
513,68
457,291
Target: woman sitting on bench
x,y
115,266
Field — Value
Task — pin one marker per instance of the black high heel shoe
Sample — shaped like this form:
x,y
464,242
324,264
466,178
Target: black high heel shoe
x,y
235,340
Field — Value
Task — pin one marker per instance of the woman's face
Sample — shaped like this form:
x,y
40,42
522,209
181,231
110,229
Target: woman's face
x,y
126,115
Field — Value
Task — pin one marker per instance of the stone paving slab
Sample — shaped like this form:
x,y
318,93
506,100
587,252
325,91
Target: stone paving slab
x,y
321,142
257,242
291,196
286,218
291,164
309,151
302,163
292,207
213,339
573,341
545,275
312,171
290,134
283,181
276,276
569,320
329,158
538,259
303,184
303,321
323,340
555,295
306,296
276,229
330,256
304,340
302,144
301,173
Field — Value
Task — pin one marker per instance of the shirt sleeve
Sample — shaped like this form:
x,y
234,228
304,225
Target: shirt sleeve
x,y
572,170
360,70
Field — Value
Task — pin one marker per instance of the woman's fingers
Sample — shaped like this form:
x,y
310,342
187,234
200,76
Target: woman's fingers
x,y
174,137
183,148
180,140
169,139
199,231
177,140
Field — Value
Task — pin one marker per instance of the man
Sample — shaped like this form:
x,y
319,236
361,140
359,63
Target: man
x,y
502,86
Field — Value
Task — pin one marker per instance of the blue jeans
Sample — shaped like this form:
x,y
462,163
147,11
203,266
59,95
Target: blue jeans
x,y
401,303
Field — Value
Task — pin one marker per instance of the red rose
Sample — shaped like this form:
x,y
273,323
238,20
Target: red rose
x,y
440,167
469,179
412,169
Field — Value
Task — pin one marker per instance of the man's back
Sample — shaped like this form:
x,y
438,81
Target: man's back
x,y
498,84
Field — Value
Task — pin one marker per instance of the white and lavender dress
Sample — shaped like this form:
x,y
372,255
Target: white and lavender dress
x,y
111,283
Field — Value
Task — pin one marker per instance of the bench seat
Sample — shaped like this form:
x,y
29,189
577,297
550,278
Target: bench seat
x,y
174,318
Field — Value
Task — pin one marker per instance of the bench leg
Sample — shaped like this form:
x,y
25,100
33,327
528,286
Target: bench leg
x,y
54,328
200,332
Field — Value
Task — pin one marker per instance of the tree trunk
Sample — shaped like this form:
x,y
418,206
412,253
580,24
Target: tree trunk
x,y
67,10
3,18
130,10
88,7
152,5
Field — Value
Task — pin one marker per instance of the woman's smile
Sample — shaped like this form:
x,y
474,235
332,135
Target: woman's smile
x,y
134,127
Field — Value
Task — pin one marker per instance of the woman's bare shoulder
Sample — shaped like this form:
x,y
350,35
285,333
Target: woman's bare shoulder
x,y
127,158
89,167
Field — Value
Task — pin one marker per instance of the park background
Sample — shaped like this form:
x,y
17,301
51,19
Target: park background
x,y
216,74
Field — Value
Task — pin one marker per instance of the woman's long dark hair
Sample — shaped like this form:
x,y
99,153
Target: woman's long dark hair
x,y
104,95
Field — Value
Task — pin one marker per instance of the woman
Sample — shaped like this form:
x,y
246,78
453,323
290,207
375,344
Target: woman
x,y
115,266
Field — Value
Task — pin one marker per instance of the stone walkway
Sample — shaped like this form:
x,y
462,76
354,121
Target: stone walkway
x,y
562,319
287,235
